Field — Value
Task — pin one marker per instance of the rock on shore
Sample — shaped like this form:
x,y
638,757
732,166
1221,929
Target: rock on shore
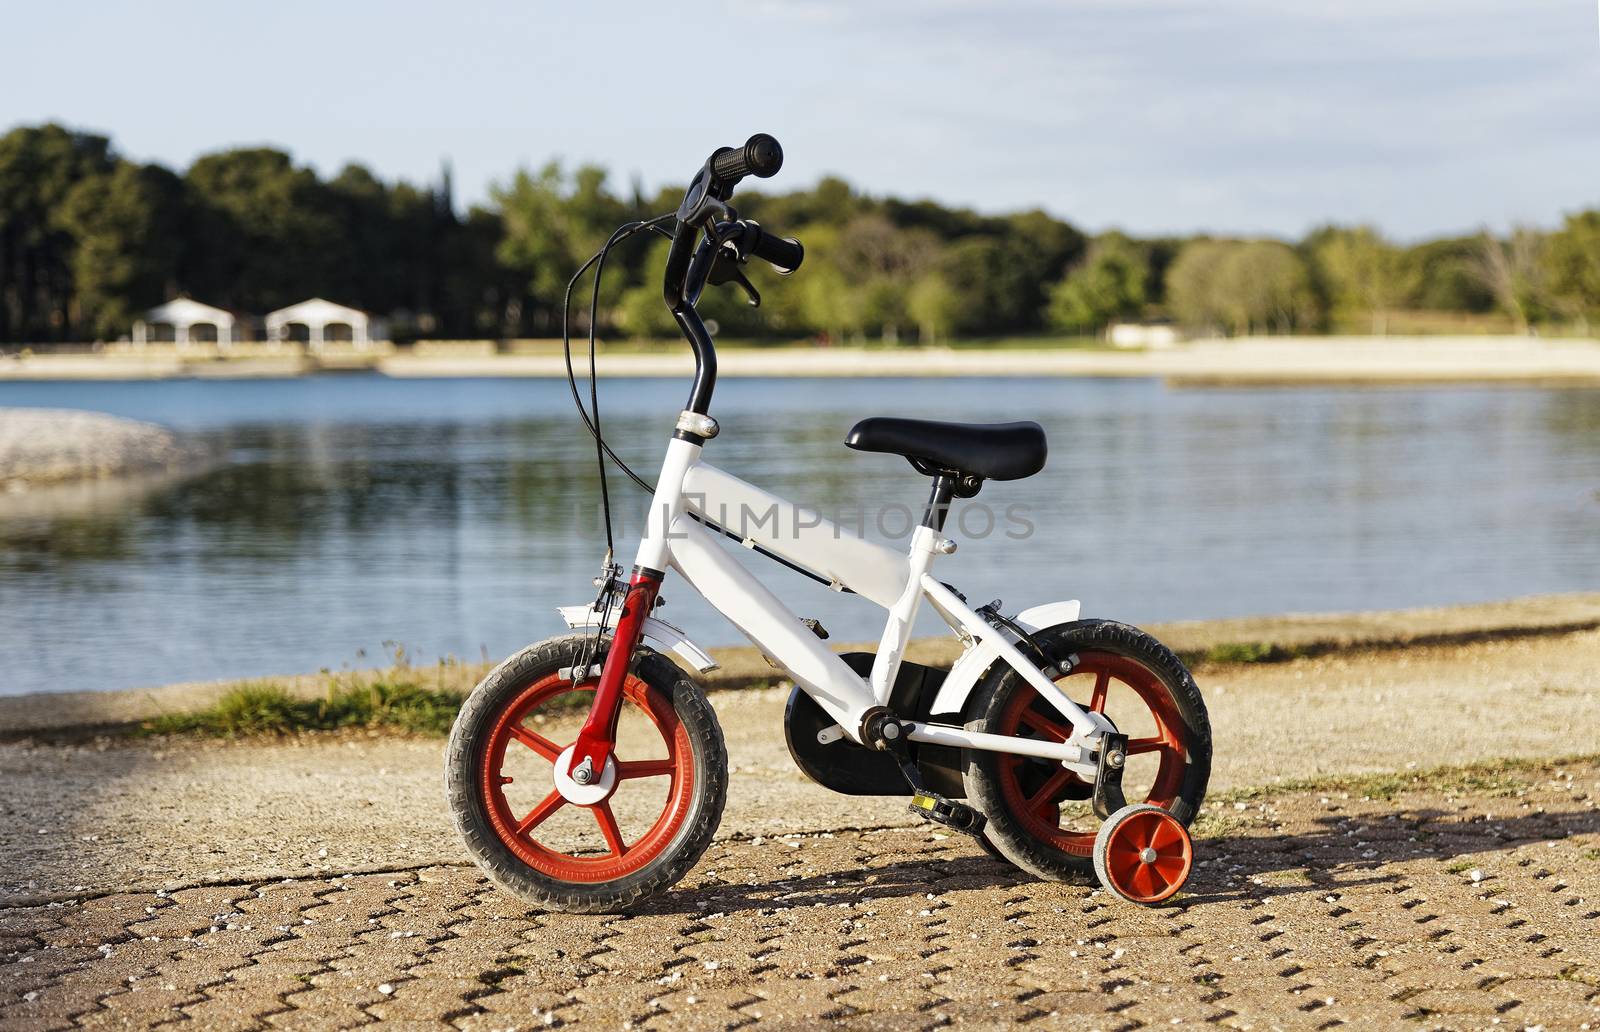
x,y
54,446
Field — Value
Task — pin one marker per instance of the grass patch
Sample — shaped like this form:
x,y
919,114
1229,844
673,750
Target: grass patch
x,y
265,708
1210,824
1243,652
1490,777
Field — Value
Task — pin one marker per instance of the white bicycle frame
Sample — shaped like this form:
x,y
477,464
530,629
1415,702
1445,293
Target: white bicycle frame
x,y
674,539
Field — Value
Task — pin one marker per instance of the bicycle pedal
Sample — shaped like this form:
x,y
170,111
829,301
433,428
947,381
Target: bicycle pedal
x,y
951,814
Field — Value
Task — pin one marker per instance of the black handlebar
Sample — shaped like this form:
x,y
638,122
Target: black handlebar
x,y
689,266
761,156
784,253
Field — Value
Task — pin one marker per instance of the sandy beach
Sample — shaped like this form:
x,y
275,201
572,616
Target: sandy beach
x,y
1262,360
1237,361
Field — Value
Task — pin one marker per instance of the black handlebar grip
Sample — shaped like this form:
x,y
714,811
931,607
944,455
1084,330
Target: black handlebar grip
x,y
785,253
761,156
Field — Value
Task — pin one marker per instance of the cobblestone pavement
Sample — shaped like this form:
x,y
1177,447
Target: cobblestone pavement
x,y
1468,901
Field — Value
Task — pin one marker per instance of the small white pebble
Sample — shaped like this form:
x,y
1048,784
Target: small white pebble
x,y
386,989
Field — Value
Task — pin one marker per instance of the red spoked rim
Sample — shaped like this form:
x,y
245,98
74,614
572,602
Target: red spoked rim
x,y
1148,856
519,830
1034,790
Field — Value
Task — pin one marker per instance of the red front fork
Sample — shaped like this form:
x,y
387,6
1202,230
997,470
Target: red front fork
x,y
600,729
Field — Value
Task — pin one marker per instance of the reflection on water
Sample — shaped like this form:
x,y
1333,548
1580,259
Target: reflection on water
x,y
452,516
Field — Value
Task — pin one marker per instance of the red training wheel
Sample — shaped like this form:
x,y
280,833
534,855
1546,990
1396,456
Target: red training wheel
x,y
1143,854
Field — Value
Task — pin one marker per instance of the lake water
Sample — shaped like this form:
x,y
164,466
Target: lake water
x,y
453,516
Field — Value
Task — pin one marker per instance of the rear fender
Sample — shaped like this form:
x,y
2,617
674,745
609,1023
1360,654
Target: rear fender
x,y
655,629
976,661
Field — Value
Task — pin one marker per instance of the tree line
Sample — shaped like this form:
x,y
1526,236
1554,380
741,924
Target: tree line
x,y
89,239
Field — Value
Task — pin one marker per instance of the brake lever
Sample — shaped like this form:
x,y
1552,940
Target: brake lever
x,y
727,269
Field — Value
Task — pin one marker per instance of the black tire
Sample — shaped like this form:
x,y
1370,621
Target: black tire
x,y
1008,829
465,754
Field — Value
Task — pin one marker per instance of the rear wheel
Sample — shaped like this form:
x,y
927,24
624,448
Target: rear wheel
x,y
1038,812
635,831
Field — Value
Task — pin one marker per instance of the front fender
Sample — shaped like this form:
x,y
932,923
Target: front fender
x,y
958,684
656,629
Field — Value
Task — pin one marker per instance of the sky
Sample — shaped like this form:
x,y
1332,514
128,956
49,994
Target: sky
x,y
1154,116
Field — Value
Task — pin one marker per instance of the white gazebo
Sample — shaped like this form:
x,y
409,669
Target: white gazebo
x,y
319,317
185,316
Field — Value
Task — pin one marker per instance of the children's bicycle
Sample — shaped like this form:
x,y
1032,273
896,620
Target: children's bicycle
x,y
1034,740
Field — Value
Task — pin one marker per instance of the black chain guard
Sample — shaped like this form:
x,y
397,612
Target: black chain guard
x,y
851,769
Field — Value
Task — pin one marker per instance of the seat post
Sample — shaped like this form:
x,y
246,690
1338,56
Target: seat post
x,y
944,486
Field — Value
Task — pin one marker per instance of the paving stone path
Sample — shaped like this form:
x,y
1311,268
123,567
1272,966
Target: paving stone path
x,y
1459,903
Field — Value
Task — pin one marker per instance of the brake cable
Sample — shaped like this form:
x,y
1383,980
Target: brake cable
x,y
604,450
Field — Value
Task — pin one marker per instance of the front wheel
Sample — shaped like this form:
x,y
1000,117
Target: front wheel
x,y
1039,815
636,831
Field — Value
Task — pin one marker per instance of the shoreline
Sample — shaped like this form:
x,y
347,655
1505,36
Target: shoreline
x,y
1258,361
1227,642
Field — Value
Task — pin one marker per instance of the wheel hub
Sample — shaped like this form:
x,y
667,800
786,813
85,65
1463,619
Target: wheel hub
x,y
598,788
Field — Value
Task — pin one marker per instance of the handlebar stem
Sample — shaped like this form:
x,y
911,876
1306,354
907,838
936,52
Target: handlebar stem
x,y
687,268
689,265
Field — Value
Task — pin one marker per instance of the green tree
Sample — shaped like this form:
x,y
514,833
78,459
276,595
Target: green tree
x,y
1193,286
932,305
1516,272
1447,276
1240,287
641,312
553,223
39,167
878,263
1361,274
483,298
267,234
972,267
1037,250
1573,260
1109,284
128,228
1265,286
